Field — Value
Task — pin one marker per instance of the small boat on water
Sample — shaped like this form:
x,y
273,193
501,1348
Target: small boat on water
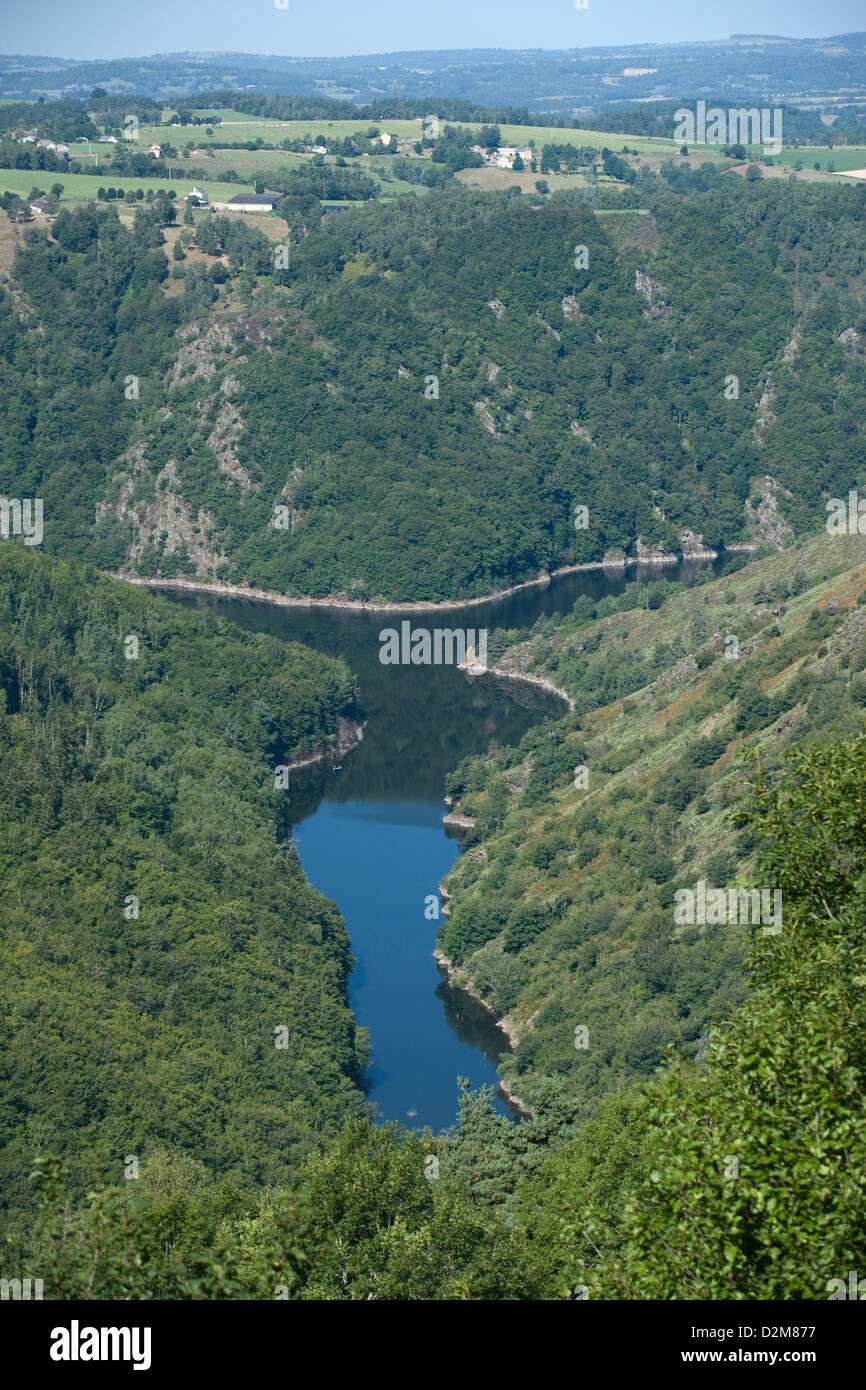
x,y
339,768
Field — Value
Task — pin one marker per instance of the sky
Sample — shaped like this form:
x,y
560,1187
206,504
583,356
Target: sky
x,y
335,28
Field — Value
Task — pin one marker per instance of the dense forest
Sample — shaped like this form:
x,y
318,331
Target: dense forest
x,y
562,904
413,402
683,1188
428,399
157,927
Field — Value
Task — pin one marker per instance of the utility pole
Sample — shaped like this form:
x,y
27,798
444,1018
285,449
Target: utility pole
x,y
589,183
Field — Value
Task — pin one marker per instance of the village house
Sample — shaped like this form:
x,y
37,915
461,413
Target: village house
x,y
505,156
197,198
39,206
155,150
250,202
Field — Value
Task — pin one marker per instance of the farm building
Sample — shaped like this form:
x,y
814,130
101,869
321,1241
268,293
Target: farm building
x,y
250,202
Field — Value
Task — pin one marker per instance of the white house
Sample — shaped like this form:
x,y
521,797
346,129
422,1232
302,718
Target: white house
x,y
250,202
505,156
38,206
155,150
107,140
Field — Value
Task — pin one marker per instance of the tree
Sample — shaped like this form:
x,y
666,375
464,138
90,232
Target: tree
x,y
753,172
743,1203
16,209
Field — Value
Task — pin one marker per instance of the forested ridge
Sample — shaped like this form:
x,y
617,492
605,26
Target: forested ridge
x,y
157,929
739,1177
420,399
429,389
562,904
570,80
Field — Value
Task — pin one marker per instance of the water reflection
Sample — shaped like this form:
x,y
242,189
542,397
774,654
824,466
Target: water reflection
x,y
371,837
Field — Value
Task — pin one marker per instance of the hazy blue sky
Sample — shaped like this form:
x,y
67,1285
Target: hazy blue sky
x,y
125,28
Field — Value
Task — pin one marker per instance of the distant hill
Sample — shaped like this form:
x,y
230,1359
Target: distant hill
x,y
416,405
564,81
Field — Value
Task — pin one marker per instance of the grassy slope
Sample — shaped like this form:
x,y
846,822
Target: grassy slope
x,y
84,186
607,859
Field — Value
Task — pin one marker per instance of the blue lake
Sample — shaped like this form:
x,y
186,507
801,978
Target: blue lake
x,y
371,836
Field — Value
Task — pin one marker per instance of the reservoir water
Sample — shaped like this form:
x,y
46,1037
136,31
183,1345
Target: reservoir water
x,y
371,836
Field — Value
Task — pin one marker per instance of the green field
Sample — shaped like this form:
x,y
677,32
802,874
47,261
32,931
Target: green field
x,y
265,156
272,132
847,157
545,135
80,186
238,127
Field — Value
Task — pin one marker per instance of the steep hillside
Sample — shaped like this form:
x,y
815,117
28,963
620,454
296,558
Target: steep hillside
x,y
562,906
416,407
745,1170
157,929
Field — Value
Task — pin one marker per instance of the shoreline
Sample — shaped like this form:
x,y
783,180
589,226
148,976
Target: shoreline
x,y
273,596
541,681
459,978
349,735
